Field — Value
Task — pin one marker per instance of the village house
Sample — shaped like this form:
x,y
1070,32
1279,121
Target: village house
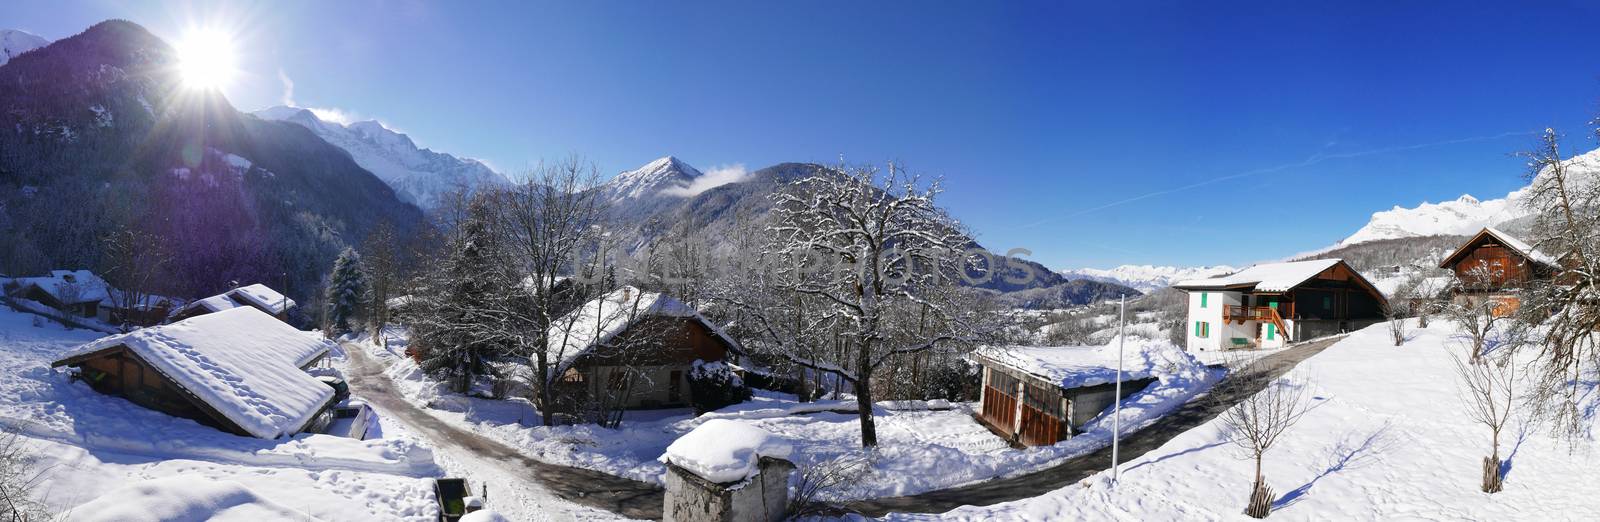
x,y
239,370
74,292
1038,396
1273,304
632,347
256,296
1493,265
143,310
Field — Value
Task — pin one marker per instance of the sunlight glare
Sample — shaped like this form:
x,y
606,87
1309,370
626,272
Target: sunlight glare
x,y
205,59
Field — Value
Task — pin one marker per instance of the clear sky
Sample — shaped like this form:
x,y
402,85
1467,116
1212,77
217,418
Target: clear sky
x,y
1045,119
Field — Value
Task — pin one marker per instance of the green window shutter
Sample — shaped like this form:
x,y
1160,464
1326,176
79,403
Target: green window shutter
x,y
1197,328
1203,299
1271,329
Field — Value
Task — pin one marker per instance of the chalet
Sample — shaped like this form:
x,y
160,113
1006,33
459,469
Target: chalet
x,y
139,310
1038,396
1493,265
75,292
256,296
633,348
238,370
1271,305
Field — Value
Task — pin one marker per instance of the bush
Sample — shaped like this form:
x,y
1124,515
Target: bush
x,y
713,386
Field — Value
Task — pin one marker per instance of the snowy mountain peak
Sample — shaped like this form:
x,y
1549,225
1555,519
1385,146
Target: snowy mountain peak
x,y
1147,278
13,43
418,175
653,178
1464,215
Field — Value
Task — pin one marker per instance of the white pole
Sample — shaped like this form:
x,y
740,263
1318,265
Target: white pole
x,y
1116,411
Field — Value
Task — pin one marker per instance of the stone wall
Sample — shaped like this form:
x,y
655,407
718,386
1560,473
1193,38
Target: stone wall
x,y
762,497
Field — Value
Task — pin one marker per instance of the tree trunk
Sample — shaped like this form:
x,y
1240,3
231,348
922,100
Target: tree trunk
x,y
869,431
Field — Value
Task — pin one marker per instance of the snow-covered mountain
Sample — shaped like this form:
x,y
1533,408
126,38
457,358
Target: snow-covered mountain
x,y
418,175
1464,215
668,174
1146,278
14,42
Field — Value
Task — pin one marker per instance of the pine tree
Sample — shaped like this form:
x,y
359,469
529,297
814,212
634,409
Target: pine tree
x,y
347,292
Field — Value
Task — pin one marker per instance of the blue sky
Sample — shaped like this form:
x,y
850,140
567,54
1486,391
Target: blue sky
x,y
1041,117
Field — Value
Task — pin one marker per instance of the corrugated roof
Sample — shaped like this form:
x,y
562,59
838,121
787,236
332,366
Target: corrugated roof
x,y
1268,277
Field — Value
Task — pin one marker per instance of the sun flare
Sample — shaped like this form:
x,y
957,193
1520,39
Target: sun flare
x,y
205,59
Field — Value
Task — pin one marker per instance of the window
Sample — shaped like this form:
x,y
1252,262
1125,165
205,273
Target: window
x,y
1202,329
1203,299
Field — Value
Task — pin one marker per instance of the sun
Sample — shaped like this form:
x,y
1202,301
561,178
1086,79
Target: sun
x,y
205,59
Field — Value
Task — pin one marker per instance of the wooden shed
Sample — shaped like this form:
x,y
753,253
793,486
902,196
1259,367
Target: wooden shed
x,y
636,347
75,292
258,296
238,370
1038,396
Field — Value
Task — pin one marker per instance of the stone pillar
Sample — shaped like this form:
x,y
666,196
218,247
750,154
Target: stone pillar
x,y
763,497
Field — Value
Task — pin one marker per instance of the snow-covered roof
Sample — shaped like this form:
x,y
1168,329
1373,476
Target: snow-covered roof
x,y
1080,366
69,286
598,320
723,450
263,297
1510,241
1266,277
257,295
243,363
114,298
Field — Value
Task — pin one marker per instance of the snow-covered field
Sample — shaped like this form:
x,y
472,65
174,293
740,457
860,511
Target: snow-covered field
x,y
920,449
88,444
1386,439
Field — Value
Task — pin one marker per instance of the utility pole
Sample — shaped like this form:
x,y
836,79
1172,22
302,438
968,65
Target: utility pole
x,y
1116,411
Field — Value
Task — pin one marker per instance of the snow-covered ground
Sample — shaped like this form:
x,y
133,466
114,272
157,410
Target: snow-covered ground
x,y
1386,439
920,449
89,444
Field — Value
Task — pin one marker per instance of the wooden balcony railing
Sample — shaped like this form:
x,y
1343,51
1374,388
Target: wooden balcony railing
x,y
1240,314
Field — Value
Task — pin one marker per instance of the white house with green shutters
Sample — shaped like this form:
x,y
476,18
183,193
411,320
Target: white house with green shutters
x,y
1271,305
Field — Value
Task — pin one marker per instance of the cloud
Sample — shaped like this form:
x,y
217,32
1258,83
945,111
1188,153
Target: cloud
x,y
710,179
336,115
288,88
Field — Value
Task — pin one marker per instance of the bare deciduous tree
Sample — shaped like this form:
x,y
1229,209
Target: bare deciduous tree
x,y
818,479
862,273
1487,388
19,477
1260,420
1478,318
134,263
1567,228
548,221
381,253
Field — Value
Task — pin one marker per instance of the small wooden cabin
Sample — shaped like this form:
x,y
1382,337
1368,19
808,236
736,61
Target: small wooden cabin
x,y
1493,265
1273,304
238,370
75,292
146,310
634,348
258,296
1038,396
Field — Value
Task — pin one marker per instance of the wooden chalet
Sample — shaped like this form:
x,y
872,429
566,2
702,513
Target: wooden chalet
x,y
1493,265
1271,305
632,348
1035,396
258,296
74,292
238,370
145,310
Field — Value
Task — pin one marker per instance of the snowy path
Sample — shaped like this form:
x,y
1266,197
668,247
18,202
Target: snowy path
x,y
1034,484
593,489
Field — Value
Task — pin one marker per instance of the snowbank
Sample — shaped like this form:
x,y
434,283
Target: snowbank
x,y
725,451
1386,439
184,498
